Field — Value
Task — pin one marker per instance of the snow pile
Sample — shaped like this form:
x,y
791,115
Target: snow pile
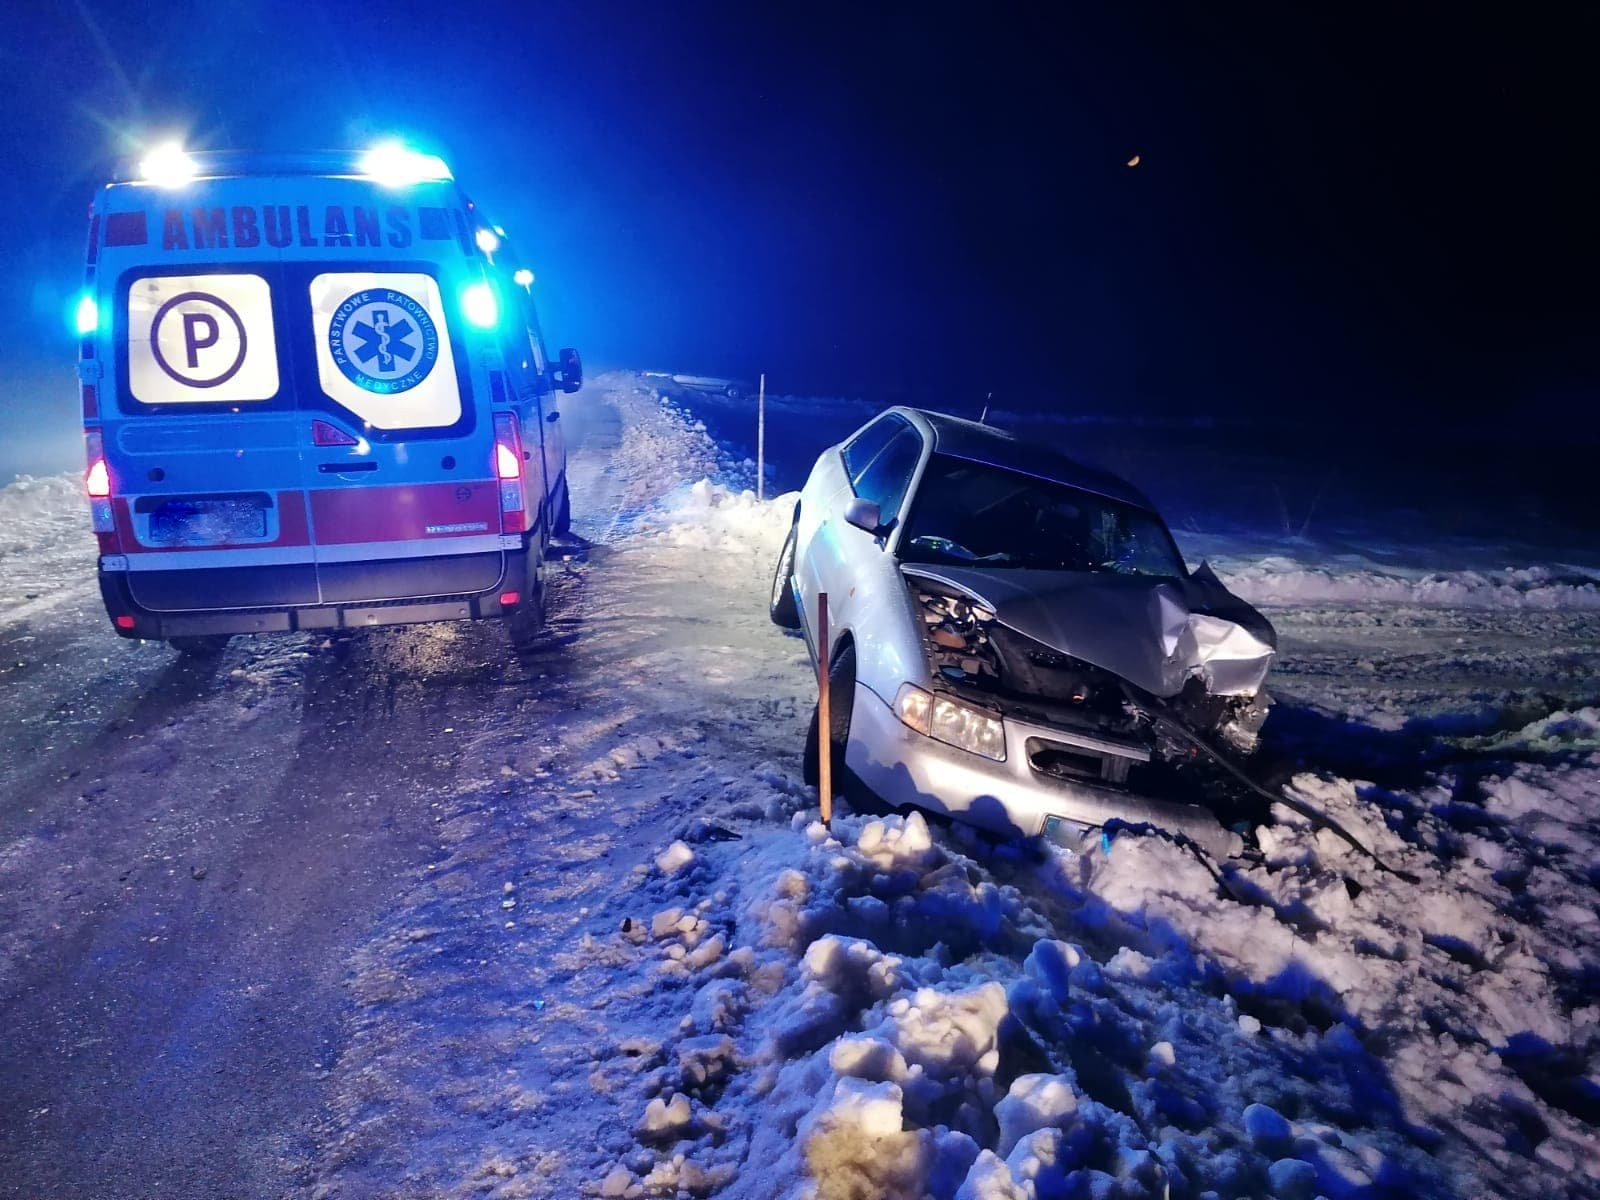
x,y
1561,731
903,1011
716,519
45,543
1288,582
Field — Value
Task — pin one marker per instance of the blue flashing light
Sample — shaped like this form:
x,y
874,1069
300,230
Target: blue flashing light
x,y
86,317
479,306
487,241
168,166
389,164
523,278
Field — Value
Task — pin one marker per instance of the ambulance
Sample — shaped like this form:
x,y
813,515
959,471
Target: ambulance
x,y
315,397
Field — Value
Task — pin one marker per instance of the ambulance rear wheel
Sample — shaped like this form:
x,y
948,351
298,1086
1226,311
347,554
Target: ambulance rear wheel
x,y
561,524
199,645
525,623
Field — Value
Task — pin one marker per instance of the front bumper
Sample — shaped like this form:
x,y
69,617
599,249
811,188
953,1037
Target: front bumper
x,y
256,600
1010,797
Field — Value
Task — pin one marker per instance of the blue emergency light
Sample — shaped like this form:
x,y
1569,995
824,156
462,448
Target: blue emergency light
x,y
87,316
389,164
479,306
167,165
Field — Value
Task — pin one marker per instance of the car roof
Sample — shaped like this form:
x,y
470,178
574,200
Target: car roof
x,y
961,438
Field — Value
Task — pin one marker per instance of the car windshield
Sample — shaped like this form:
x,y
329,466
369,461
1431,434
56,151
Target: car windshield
x,y
974,513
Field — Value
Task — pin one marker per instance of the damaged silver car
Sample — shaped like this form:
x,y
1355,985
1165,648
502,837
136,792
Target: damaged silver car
x,y
1014,639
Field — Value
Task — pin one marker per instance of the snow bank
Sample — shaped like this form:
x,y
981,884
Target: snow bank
x,y
45,543
713,518
1289,582
914,1012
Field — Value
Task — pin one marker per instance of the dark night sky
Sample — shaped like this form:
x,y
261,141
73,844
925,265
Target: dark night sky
x,y
1338,212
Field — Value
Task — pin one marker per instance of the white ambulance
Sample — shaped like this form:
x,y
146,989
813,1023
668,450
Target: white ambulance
x,y
315,396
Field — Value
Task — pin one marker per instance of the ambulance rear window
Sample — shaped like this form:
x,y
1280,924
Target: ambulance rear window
x,y
383,350
201,339
372,343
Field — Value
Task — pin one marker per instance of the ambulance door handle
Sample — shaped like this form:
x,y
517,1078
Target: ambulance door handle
x,y
338,468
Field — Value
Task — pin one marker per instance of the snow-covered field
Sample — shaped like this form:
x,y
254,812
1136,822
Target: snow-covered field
x,y
617,955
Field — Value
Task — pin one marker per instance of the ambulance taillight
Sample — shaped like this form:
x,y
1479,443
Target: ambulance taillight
x,y
508,470
97,482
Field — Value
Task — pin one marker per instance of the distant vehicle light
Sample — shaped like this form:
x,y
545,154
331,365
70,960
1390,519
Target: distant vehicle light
x,y
167,166
479,305
523,278
487,241
392,165
88,316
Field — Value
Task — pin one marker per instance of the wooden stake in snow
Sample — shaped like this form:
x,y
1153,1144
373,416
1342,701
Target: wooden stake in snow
x,y
824,716
761,441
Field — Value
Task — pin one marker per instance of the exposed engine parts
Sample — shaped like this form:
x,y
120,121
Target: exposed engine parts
x,y
982,660
957,635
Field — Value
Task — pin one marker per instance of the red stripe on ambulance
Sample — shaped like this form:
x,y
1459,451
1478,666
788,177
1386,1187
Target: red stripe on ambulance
x,y
412,513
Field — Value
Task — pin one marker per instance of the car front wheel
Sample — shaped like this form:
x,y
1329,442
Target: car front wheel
x,y
841,705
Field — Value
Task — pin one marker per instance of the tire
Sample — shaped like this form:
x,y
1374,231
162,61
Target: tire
x,y
841,706
208,645
561,523
525,623
781,604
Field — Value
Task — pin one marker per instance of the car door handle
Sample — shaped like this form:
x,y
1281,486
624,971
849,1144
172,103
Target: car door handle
x,y
555,416
338,468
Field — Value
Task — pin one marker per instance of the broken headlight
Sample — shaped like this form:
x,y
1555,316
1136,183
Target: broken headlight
x,y
951,722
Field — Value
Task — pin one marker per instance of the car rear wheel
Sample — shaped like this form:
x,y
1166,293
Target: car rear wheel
x,y
781,604
199,645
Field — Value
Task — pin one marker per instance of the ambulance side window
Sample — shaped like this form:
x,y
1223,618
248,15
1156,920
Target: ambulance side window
x,y
535,340
524,361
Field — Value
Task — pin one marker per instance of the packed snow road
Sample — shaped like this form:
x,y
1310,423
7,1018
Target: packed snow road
x,y
193,852
399,915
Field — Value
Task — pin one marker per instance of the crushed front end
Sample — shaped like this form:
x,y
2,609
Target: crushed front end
x,y
1083,744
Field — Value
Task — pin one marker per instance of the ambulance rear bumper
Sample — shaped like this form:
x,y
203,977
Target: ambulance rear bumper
x,y
388,592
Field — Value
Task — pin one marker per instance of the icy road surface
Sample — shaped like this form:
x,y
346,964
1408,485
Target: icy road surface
x,y
400,916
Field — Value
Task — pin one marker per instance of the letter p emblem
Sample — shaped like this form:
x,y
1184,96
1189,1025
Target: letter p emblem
x,y
200,332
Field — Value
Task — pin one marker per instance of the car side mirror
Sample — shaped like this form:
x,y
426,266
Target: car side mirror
x,y
864,514
570,368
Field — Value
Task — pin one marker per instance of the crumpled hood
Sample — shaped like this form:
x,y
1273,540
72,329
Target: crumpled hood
x,y
1155,633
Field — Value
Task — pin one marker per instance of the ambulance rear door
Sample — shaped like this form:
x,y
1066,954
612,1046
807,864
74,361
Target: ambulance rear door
x,y
201,427
398,439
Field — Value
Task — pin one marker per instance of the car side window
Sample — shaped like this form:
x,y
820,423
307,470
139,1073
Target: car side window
x,y
887,477
865,446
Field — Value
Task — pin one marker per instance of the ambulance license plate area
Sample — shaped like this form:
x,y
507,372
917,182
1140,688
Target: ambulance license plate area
x,y
211,521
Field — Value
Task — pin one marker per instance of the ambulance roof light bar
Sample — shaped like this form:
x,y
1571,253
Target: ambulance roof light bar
x,y
167,166
391,164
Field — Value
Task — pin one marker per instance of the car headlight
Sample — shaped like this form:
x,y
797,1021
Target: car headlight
x,y
951,722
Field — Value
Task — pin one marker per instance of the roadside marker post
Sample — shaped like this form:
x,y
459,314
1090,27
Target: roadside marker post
x,y
824,716
761,440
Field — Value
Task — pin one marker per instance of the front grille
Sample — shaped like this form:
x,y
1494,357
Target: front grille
x,y
1090,759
